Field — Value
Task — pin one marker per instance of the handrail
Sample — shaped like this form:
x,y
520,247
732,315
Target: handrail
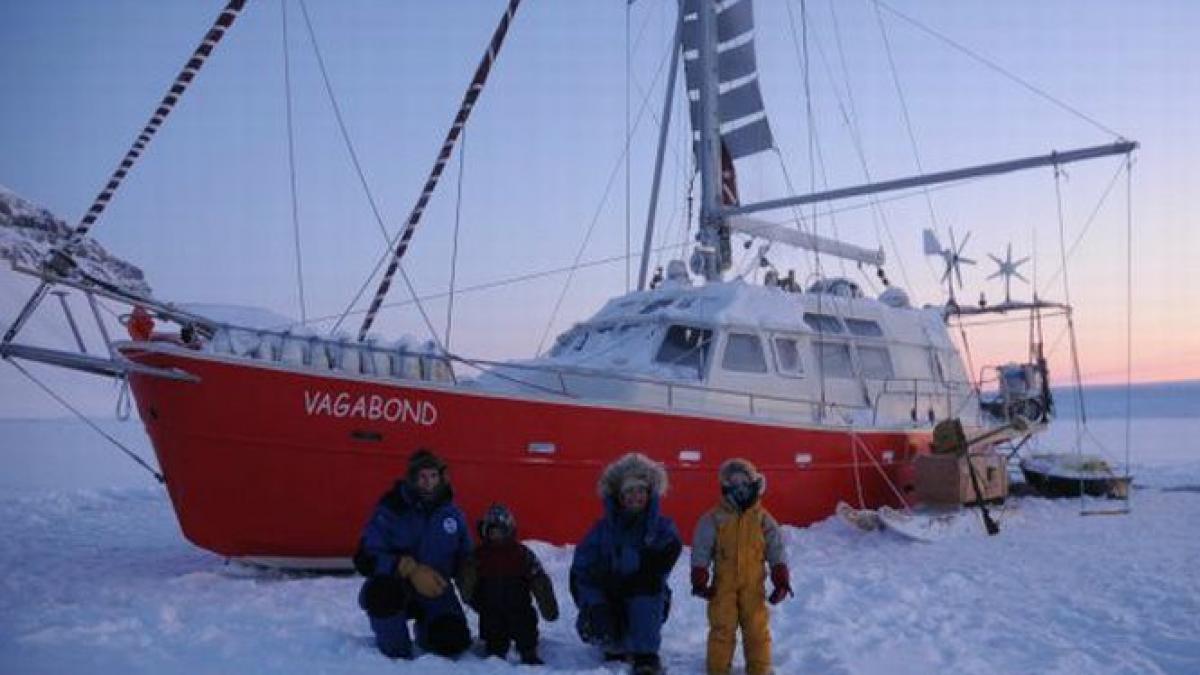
x,y
670,387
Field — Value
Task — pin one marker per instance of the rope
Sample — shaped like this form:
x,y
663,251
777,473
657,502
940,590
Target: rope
x,y
460,120
1128,316
854,437
291,148
223,22
1081,418
124,404
132,455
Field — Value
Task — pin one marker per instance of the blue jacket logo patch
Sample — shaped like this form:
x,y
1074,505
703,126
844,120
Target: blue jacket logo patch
x,y
450,525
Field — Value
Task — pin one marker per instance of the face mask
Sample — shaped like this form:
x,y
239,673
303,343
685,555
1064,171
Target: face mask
x,y
742,495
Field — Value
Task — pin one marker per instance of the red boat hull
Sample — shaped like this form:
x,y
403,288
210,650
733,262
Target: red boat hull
x,y
265,460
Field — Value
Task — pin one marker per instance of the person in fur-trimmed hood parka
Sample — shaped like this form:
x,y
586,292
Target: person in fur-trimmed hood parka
x,y
619,573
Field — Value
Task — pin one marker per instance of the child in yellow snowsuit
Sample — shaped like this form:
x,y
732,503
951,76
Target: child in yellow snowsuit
x,y
739,538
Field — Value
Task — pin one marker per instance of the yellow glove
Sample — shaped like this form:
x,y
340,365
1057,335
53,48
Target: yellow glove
x,y
423,578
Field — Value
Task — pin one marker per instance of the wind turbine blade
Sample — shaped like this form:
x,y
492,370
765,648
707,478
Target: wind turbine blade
x,y
996,260
932,245
1018,275
965,261
963,247
995,274
958,274
1020,262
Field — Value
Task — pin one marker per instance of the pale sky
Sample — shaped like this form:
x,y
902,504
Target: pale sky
x,y
206,213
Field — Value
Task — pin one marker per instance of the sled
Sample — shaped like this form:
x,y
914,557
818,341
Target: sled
x,y
926,527
866,520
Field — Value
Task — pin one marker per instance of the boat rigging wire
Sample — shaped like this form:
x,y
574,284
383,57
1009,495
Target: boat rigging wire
x,y
62,401
470,97
1086,226
603,200
999,69
291,152
507,281
908,126
362,179
628,140
462,160
341,122
850,117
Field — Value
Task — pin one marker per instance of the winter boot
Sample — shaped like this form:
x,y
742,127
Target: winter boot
x,y
530,657
647,664
499,651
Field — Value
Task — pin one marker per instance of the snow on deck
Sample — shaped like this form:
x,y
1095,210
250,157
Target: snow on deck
x,y
99,579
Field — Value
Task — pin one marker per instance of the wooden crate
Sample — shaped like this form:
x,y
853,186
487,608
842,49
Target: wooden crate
x,y
944,478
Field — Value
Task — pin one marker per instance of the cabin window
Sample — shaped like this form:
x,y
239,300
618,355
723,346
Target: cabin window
x,y
834,358
939,369
685,346
656,305
823,323
787,356
744,353
864,328
876,363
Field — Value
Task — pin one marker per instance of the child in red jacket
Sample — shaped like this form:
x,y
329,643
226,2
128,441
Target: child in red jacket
x,y
508,577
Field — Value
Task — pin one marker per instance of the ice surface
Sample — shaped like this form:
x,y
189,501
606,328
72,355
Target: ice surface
x,y
96,577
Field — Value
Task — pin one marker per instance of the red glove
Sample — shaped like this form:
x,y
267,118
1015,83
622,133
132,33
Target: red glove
x,y
700,585
780,579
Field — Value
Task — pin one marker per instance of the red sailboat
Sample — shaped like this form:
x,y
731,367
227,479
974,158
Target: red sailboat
x,y
274,442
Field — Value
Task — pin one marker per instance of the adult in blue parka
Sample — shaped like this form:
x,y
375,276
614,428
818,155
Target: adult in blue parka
x,y
619,573
415,542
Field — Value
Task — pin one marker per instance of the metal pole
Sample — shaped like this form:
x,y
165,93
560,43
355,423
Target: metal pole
x,y
62,300
26,311
658,159
710,140
1054,158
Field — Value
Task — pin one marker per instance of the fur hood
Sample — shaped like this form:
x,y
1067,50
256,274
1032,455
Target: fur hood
x,y
636,466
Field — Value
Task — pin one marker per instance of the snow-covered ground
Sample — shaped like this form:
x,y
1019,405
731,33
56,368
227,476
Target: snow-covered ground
x,y
95,577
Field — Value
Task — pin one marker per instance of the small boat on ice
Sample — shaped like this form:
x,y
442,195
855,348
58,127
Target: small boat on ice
x,y
1072,475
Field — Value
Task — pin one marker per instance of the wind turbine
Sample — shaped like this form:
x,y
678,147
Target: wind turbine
x,y
952,256
1008,270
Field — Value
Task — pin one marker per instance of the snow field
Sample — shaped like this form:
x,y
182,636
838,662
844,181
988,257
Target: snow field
x,y
100,579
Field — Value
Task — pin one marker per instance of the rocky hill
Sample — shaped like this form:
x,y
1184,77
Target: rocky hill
x,y
28,232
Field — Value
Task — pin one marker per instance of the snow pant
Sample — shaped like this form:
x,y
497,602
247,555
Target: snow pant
x,y
631,625
741,605
440,622
502,626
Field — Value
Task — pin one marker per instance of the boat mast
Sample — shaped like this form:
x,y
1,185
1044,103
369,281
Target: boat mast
x,y
708,259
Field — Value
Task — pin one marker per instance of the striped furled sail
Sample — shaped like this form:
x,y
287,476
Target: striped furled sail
x,y
222,24
742,118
